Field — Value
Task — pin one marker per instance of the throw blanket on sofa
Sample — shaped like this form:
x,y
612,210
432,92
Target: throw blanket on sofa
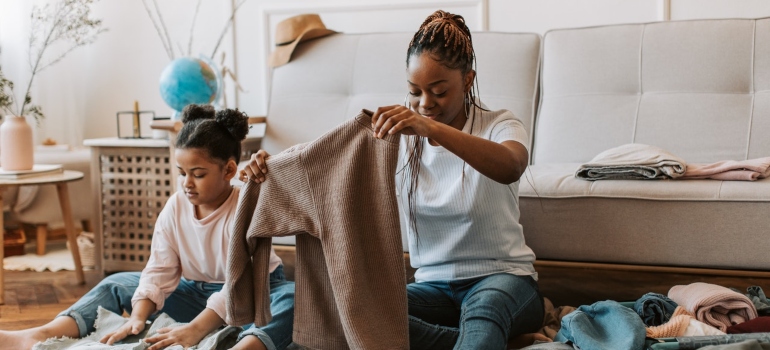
x,y
745,170
337,194
108,322
633,161
714,305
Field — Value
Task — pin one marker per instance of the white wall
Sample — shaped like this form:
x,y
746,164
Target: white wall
x,y
81,94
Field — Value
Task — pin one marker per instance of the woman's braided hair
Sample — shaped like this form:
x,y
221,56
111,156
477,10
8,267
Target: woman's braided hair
x,y
447,39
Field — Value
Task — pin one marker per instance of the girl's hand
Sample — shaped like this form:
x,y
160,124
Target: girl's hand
x,y
186,336
394,119
256,169
132,327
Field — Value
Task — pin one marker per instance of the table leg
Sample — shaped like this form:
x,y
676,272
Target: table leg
x,y
69,226
2,251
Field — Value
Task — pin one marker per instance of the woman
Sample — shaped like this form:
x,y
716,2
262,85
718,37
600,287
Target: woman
x,y
458,197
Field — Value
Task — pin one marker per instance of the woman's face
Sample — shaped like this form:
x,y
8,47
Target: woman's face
x,y
437,92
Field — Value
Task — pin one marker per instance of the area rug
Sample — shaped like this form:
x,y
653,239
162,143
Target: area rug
x,y
53,260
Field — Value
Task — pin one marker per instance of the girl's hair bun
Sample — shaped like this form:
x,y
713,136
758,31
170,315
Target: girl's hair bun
x,y
195,112
235,121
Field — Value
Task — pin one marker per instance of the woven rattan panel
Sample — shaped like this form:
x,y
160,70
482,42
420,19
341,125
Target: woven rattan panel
x,y
135,182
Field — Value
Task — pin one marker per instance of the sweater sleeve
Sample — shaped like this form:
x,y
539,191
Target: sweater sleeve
x,y
239,282
163,271
280,206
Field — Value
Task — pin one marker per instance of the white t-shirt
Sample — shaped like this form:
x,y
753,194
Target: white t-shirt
x,y
467,226
184,246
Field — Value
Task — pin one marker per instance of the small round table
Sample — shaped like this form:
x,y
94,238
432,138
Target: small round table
x,y
60,180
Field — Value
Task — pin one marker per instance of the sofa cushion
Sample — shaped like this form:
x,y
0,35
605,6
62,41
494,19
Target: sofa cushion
x,y
700,89
557,180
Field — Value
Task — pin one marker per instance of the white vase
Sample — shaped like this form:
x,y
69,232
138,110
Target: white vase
x,y
16,146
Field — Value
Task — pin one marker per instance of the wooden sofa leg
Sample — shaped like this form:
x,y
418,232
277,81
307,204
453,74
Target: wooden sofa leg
x,y
42,235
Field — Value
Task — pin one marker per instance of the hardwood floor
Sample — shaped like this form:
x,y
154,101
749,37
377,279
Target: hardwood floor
x,y
34,298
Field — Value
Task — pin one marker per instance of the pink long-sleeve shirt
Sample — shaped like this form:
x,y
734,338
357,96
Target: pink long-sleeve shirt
x,y
184,246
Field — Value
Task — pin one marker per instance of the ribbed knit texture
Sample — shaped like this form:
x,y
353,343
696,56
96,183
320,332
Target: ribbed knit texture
x,y
714,305
675,327
337,195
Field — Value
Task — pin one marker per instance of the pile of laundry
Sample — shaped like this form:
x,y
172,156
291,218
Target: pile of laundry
x,y
701,313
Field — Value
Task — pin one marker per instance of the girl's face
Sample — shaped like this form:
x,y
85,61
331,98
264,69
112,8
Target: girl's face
x,y
206,183
437,92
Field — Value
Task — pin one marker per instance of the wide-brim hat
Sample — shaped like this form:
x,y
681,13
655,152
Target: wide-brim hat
x,y
292,31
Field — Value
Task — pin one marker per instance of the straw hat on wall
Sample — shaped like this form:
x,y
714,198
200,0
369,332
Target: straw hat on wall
x,y
293,31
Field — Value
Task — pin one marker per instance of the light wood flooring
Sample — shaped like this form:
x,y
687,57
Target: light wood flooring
x,y
34,298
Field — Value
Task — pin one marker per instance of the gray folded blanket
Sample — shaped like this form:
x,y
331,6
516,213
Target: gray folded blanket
x,y
633,161
108,322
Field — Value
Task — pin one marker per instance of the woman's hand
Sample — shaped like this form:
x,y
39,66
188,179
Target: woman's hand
x,y
186,336
394,119
132,327
256,169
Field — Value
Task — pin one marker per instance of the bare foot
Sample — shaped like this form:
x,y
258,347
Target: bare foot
x,y
17,340
528,339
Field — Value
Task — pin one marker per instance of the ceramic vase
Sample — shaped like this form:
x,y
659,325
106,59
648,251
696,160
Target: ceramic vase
x,y
16,146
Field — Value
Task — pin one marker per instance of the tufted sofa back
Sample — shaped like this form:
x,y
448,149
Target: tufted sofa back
x,y
331,79
700,89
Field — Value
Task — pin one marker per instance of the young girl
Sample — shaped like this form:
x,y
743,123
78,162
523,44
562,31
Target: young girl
x,y
458,198
186,269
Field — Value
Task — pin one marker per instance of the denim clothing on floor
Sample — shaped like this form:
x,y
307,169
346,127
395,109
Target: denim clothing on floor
x,y
184,304
655,309
475,313
604,325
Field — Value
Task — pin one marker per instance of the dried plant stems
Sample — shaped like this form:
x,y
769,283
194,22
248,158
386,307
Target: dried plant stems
x,y
192,28
227,26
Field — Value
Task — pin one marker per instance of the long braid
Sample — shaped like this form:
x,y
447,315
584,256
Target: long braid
x,y
447,39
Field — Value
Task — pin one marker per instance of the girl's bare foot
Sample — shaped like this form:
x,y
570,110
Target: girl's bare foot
x,y
17,340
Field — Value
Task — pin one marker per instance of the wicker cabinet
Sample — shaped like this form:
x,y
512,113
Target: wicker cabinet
x,y
132,179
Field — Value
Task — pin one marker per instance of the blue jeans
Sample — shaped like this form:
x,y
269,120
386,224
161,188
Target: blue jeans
x,y
114,293
475,313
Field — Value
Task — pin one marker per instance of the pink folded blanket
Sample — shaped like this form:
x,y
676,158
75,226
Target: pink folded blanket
x,y
714,305
745,170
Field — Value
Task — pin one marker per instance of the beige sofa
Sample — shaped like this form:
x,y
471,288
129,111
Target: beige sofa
x,y
699,89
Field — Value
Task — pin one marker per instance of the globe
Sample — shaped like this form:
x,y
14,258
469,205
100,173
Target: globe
x,y
189,80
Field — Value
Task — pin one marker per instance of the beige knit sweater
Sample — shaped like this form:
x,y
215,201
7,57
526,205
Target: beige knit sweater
x,y
337,195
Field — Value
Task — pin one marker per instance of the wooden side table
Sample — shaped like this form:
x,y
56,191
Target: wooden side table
x,y
60,180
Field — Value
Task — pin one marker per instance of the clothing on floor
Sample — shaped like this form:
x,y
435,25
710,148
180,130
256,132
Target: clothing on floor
x,y
108,322
337,195
655,309
604,325
688,343
758,325
633,161
552,318
675,327
714,305
757,296
744,345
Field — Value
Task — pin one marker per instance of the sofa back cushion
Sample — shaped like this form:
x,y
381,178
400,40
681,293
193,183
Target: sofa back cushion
x,y
332,78
700,89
